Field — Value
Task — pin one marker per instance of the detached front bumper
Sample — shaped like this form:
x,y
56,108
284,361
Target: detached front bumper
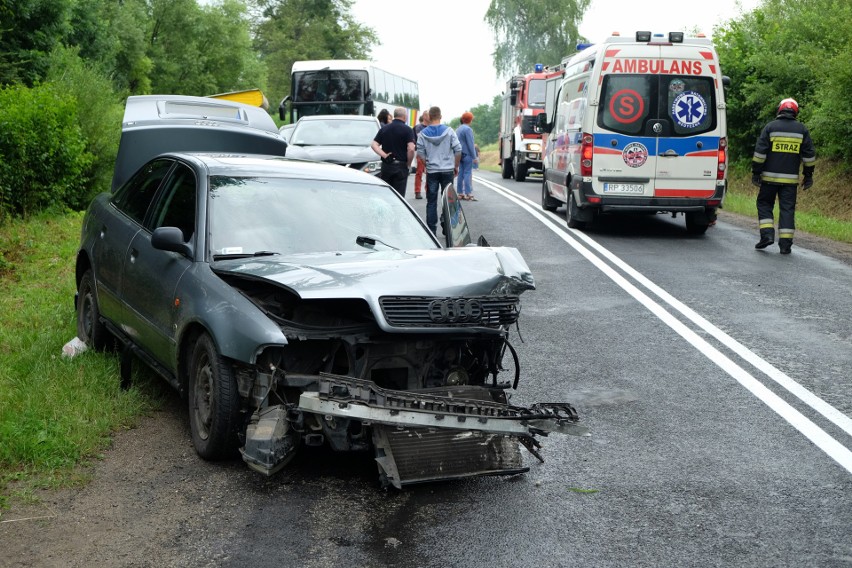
x,y
430,436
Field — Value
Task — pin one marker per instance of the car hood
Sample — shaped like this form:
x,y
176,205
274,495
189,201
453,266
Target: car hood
x,y
470,271
334,154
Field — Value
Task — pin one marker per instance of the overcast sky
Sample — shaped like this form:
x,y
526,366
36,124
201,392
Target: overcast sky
x,y
445,45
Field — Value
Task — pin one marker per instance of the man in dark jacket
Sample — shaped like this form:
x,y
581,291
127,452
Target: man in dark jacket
x,y
394,143
783,145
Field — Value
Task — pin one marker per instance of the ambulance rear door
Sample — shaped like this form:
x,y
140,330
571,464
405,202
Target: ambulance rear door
x,y
691,121
625,153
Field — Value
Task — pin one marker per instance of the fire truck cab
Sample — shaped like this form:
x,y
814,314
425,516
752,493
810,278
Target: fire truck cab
x,y
637,124
520,139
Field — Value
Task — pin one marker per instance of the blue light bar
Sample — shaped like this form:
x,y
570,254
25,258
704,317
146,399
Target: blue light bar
x,y
539,67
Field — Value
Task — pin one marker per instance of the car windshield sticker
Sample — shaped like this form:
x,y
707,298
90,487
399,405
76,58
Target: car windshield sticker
x,y
626,106
677,86
689,109
635,154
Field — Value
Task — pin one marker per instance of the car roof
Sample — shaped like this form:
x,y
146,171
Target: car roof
x,y
247,165
347,117
154,124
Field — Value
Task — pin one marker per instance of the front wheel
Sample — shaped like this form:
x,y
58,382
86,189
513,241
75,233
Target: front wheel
x,y
520,169
214,402
90,328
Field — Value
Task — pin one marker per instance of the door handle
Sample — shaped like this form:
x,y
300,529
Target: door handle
x,y
133,254
669,154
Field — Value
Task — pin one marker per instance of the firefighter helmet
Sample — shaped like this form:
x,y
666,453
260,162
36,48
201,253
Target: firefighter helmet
x,y
789,105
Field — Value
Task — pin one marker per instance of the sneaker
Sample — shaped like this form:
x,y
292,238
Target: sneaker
x,y
764,242
418,196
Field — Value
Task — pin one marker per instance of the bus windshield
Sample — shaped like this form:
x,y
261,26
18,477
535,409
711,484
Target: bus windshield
x,y
329,92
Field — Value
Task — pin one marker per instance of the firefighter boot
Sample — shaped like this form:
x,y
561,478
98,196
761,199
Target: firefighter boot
x,y
767,237
785,245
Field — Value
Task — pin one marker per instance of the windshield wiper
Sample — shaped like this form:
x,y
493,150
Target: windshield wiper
x,y
244,255
369,241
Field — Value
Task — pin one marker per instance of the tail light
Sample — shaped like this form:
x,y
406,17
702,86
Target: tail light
x,y
723,158
587,149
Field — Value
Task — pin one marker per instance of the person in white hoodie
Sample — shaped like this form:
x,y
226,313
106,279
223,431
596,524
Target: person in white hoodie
x,y
439,147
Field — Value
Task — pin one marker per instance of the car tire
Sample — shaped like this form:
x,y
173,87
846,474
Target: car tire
x,y
214,402
697,223
572,213
548,203
519,169
90,329
506,169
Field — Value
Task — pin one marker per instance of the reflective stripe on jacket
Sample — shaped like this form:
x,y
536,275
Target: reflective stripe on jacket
x,y
783,145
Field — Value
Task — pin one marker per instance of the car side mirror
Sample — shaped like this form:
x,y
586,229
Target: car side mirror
x,y
282,108
171,239
542,124
726,81
453,222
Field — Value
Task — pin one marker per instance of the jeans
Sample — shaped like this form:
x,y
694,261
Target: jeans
x,y
465,176
435,181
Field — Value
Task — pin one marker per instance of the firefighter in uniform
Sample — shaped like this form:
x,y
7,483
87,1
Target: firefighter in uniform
x,y
783,145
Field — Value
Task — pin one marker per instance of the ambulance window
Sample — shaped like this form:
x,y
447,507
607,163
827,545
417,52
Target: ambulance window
x,y
626,102
689,103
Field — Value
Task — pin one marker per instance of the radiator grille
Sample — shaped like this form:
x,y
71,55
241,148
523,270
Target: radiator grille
x,y
486,311
425,454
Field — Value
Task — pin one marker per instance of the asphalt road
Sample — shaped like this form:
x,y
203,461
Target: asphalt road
x,y
715,380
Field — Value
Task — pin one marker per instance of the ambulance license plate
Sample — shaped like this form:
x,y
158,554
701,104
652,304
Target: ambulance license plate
x,y
624,187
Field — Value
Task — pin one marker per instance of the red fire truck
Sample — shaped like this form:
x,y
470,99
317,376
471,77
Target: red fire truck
x,y
520,141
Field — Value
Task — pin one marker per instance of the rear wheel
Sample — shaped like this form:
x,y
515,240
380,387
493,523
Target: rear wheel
x,y
548,203
90,328
506,169
572,213
214,402
697,223
520,169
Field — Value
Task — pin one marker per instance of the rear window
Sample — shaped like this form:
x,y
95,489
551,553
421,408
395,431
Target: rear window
x,y
630,103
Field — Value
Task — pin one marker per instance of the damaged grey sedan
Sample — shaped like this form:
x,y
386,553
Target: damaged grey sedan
x,y
299,303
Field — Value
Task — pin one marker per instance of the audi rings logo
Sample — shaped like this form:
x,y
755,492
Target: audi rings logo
x,y
455,311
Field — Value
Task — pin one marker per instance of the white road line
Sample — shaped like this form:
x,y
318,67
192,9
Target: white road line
x,y
814,433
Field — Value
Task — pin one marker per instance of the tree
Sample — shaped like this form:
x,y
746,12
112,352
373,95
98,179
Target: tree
x,y
29,30
527,33
295,30
787,48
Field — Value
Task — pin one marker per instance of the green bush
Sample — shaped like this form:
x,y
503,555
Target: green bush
x,y
99,113
43,159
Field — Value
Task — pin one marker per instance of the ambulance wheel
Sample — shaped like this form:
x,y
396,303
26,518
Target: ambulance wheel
x,y
548,203
520,169
697,223
572,213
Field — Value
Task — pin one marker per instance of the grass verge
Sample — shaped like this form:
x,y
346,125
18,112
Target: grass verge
x,y
55,413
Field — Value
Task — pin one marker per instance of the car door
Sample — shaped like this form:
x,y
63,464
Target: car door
x,y
151,275
114,227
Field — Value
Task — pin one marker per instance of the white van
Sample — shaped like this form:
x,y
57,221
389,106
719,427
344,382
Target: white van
x,y
637,124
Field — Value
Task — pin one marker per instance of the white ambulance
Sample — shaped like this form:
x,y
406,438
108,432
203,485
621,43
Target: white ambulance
x,y
637,125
